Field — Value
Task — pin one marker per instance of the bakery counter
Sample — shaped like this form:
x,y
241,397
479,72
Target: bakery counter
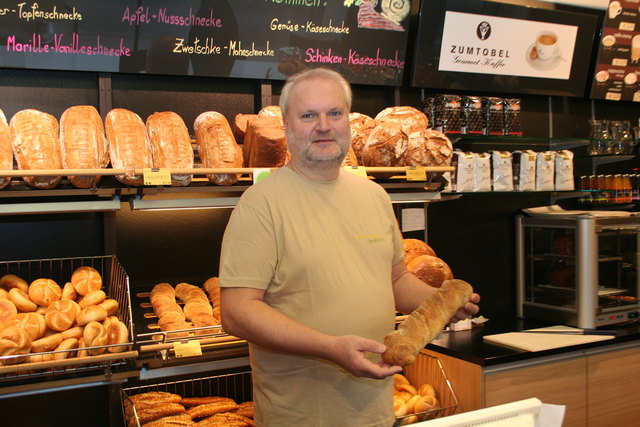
x,y
595,381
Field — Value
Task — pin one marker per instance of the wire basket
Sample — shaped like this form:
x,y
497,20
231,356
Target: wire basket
x,y
116,286
236,385
428,370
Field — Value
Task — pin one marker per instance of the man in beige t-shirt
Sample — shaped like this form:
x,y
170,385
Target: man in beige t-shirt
x,y
312,273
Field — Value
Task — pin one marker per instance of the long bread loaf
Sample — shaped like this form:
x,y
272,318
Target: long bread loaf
x,y
425,322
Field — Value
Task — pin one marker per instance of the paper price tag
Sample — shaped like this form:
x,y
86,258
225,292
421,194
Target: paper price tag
x,y
187,349
357,170
156,176
416,173
260,174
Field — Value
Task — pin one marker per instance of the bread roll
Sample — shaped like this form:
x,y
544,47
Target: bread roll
x,y
32,323
92,298
425,322
44,292
6,150
92,313
95,335
430,269
217,147
213,291
14,340
117,333
171,144
415,247
83,144
110,305
8,310
36,145
47,343
69,292
265,144
74,332
86,279
9,281
65,348
62,314
21,300
129,144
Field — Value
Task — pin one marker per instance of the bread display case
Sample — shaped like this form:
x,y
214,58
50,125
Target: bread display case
x,y
579,270
39,364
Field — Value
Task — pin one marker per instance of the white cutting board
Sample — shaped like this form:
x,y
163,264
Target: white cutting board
x,y
538,342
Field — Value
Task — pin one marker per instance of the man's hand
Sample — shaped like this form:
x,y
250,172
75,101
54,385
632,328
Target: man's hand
x,y
348,351
468,310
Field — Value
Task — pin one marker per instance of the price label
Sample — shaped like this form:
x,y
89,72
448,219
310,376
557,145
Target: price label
x,y
416,173
613,96
357,170
621,62
156,176
627,26
260,174
187,349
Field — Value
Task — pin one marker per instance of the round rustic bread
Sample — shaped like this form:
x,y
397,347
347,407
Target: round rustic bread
x,y
414,248
430,269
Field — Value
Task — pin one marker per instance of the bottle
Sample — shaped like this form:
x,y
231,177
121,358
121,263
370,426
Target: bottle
x,y
622,139
599,137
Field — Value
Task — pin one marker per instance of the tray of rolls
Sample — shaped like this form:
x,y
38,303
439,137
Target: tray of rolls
x,y
423,392
181,320
222,400
64,316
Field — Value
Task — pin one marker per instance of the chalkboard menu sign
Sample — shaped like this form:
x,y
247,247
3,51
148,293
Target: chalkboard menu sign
x,y
365,40
499,47
618,66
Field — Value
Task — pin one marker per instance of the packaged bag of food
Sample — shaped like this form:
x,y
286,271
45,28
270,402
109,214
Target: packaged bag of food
x,y
564,171
545,164
462,176
501,171
481,172
524,170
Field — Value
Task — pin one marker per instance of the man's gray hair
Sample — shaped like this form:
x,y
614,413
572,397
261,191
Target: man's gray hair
x,y
314,73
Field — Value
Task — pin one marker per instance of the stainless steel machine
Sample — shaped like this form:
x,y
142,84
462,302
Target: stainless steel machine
x,y
578,270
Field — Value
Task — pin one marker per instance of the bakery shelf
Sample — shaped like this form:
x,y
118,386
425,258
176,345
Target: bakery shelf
x,y
510,143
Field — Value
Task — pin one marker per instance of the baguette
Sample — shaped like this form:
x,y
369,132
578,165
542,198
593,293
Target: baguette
x,y
425,322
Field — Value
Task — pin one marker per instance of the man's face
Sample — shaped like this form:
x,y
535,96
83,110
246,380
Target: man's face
x,y
317,124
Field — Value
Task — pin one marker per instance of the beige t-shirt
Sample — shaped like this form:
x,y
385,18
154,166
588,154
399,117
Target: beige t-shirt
x,y
323,251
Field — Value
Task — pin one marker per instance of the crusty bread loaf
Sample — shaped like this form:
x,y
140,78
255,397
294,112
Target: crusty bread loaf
x,y
171,144
386,146
271,111
83,144
430,269
217,147
410,118
129,144
361,127
36,145
425,322
240,126
437,150
413,248
265,144
6,149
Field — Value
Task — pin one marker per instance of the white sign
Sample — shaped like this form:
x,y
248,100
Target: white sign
x,y
493,45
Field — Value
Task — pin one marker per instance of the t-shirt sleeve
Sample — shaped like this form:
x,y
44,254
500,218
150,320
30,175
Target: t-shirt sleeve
x,y
249,249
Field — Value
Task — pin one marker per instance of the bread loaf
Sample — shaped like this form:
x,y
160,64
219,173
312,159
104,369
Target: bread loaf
x,y
217,147
265,144
436,150
36,145
430,269
6,150
425,322
413,248
83,144
240,122
386,146
409,118
129,144
271,111
361,127
171,144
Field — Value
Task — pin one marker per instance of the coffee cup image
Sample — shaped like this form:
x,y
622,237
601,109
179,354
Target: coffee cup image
x,y
602,76
615,9
635,49
546,45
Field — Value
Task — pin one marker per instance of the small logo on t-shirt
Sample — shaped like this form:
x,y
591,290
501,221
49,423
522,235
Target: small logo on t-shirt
x,y
372,238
